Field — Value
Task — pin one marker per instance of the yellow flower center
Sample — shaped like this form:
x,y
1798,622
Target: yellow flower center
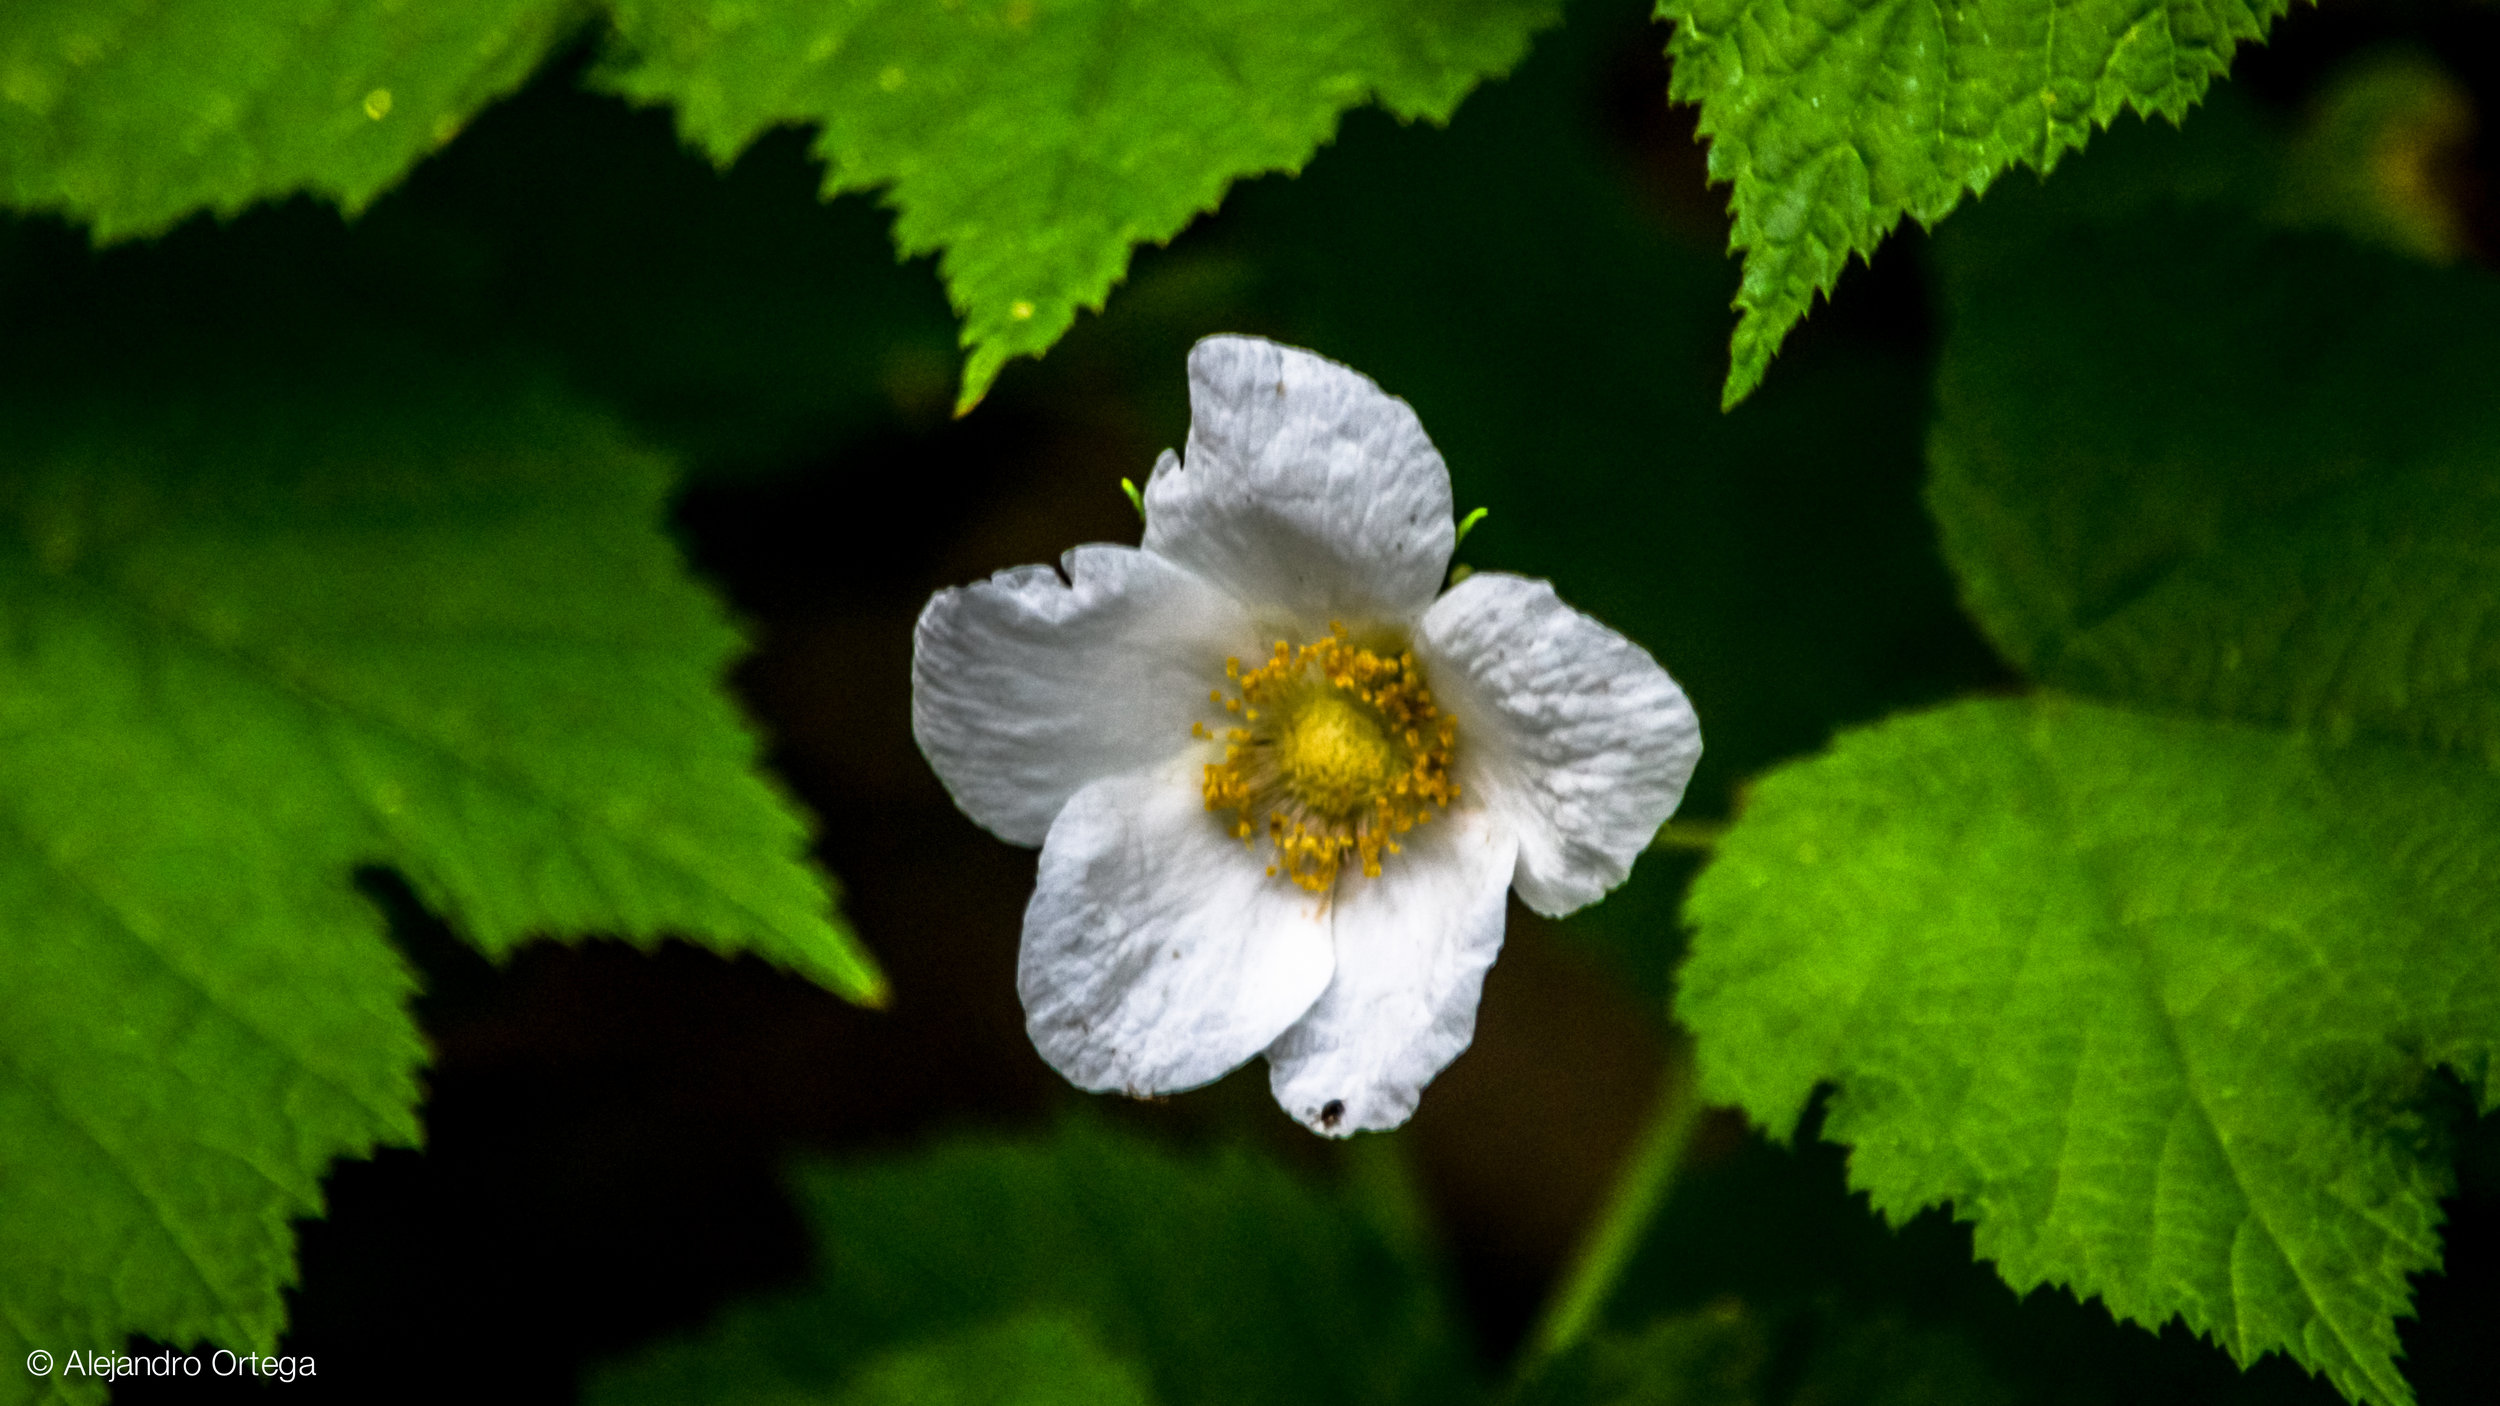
x,y
1340,751
1334,754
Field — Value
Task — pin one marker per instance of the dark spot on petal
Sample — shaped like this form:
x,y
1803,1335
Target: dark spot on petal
x,y
1332,1113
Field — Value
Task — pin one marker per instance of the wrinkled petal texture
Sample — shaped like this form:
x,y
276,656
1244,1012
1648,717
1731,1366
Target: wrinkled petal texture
x,y
1026,688
1307,491
1412,949
1570,732
1158,954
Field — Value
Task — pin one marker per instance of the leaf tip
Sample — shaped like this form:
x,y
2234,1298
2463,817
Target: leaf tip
x,y
1744,375
1759,332
855,977
980,373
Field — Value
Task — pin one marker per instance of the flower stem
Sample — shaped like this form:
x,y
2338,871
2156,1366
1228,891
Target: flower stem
x,y
1573,1309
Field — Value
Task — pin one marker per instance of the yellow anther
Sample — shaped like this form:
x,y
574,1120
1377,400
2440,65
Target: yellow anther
x,y
1344,752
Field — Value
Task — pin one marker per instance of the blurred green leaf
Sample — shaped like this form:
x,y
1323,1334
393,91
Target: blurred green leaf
x,y
733,315
1034,1359
1730,1354
2255,475
1884,1361
1225,1279
1835,121
2154,1003
1698,1359
1711,1358
131,116
268,622
1027,1359
1031,143
2376,156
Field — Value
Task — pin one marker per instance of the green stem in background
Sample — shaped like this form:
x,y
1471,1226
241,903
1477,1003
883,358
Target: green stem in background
x,y
1577,1302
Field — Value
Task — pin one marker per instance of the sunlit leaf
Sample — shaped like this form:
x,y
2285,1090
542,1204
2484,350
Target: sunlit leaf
x,y
2154,1003
1835,120
1030,144
131,115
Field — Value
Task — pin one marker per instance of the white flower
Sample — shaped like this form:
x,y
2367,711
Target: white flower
x,y
1281,780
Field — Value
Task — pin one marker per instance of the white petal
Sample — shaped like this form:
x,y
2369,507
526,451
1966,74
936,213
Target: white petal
x,y
1307,490
1025,688
1158,954
1412,949
1569,731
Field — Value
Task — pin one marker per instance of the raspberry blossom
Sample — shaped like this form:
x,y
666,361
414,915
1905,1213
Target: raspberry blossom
x,y
1281,781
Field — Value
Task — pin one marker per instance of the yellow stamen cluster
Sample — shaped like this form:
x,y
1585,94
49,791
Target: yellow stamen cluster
x,y
1340,750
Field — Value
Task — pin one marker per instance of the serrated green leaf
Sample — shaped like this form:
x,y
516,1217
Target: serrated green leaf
x,y
1227,1280
1031,143
263,627
133,114
2153,1003
2254,474
1834,120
